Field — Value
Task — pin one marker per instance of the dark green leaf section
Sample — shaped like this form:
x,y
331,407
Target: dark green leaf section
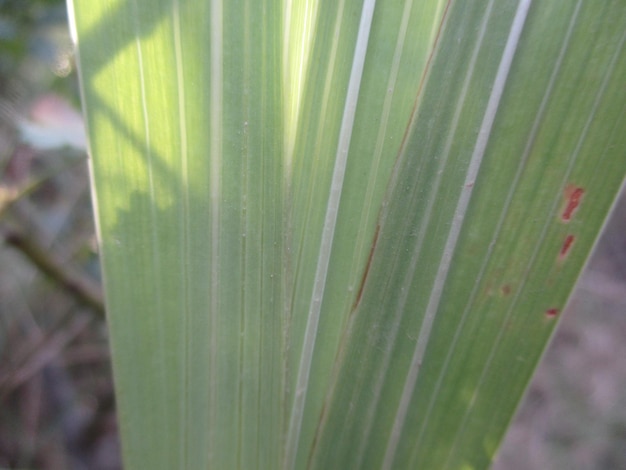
x,y
183,101
552,166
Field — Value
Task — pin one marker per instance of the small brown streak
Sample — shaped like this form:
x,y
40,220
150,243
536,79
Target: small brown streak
x,y
424,74
322,419
367,269
552,312
567,245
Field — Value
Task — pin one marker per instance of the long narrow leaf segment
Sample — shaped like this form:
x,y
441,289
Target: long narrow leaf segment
x,y
336,234
184,108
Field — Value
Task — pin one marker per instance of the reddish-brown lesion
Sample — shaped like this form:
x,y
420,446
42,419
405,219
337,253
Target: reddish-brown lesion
x,y
404,140
567,245
367,269
573,197
552,312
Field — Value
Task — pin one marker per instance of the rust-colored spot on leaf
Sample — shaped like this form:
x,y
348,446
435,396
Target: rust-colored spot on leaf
x,y
567,245
506,289
573,197
552,312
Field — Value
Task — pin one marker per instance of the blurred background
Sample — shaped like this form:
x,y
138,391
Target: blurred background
x,y
57,408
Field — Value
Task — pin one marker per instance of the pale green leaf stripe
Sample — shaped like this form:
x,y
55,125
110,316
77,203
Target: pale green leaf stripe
x,y
299,27
216,93
156,260
185,410
332,209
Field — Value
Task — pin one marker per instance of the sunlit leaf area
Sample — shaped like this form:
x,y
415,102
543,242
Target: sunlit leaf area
x,y
312,234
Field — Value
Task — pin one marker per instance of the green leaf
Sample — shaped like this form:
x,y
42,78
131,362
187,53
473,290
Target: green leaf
x,y
338,234
184,113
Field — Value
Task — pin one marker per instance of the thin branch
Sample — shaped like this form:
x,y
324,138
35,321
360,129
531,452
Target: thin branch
x,y
9,194
84,290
